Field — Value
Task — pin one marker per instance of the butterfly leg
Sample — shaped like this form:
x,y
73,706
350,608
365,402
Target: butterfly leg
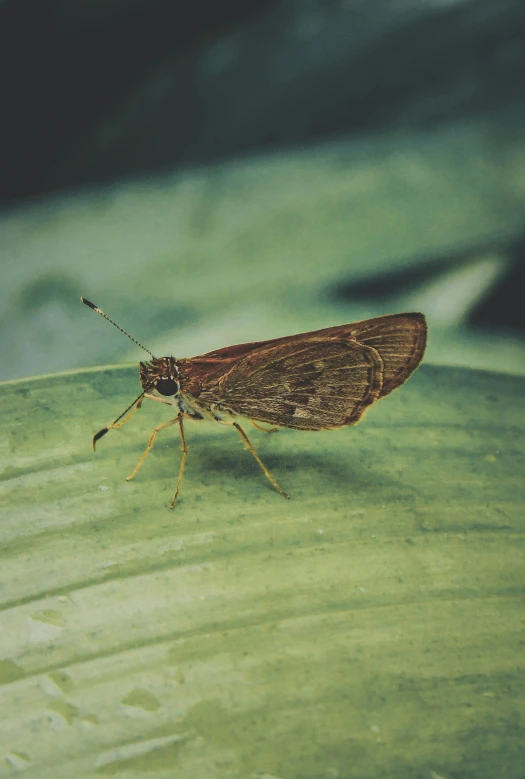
x,y
158,400
116,425
128,416
264,429
120,422
149,447
182,462
262,466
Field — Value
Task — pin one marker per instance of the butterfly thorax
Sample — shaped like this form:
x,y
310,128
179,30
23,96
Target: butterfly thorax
x,y
181,386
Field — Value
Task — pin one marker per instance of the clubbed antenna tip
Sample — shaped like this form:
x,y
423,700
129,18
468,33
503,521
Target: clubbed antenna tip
x,y
89,303
98,436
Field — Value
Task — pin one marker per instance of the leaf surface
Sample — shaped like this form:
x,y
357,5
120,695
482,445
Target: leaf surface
x,y
369,627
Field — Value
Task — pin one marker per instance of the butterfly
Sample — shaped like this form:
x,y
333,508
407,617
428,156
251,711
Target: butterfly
x,y
319,380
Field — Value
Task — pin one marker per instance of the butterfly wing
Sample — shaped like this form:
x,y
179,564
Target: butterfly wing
x,y
303,383
400,340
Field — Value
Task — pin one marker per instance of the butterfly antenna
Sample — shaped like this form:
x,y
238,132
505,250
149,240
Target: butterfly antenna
x,y
99,311
136,403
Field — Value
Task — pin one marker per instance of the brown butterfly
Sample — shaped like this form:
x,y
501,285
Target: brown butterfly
x,y
311,381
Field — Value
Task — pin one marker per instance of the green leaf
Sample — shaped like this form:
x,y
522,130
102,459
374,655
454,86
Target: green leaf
x,y
369,627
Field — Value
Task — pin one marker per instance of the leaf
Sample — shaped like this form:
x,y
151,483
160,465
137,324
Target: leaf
x,y
368,627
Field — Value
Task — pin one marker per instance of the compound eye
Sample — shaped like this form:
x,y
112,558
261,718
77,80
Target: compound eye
x,y
167,386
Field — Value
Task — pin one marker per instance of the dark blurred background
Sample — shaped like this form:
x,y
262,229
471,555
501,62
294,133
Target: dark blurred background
x,y
212,173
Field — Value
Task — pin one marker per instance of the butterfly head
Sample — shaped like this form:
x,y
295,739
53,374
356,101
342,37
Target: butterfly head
x,y
161,374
